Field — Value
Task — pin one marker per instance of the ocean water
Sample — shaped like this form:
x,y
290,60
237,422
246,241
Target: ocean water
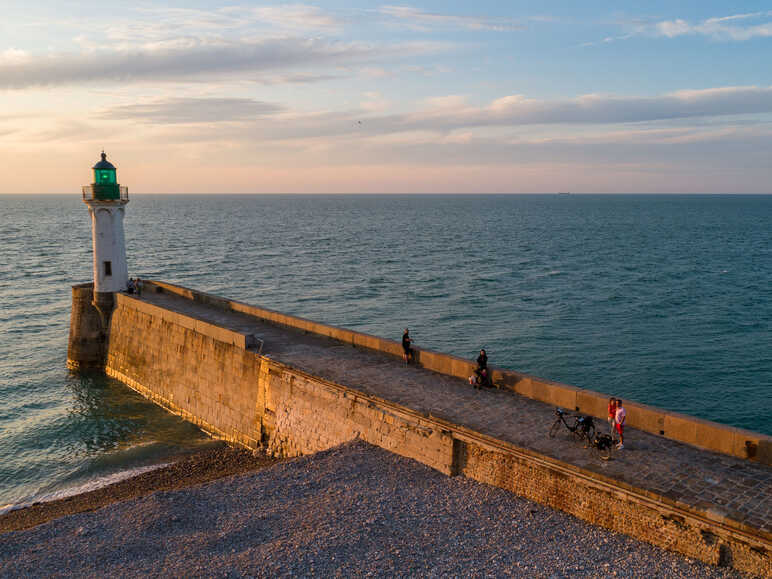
x,y
665,300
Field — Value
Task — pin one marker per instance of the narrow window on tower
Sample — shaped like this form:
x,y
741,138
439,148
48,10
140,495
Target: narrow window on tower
x,y
108,268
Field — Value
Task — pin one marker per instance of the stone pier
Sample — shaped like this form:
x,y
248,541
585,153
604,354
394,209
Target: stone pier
x,y
259,378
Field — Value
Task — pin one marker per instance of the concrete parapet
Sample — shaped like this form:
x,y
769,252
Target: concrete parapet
x,y
752,445
645,418
589,403
238,339
551,392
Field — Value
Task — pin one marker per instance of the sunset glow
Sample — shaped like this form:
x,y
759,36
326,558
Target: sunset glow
x,y
209,97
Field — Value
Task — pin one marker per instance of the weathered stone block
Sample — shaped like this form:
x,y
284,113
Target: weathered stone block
x,y
679,427
554,393
645,418
592,403
715,437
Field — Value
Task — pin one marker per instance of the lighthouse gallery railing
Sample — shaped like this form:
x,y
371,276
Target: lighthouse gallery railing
x,y
105,193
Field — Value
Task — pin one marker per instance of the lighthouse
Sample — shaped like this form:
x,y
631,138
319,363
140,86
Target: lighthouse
x,y
93,303
106,201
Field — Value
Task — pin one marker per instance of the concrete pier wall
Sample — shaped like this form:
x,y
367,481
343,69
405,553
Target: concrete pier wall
x,y
216,378
89,326
673,425
200,371
210,376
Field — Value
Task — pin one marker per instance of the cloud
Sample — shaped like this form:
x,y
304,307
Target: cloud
x,y
735,27
413,69
724,28
679,151
514,110
194,110
154,24
180,61
293,78
447,102
607,40
68,130
13,56
295,17
374,102
420,20
452,118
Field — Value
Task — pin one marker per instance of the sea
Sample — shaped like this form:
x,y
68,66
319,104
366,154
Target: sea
x,y
660,299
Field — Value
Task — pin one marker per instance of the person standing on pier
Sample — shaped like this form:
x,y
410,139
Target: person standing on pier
x,y
619,421
612,414
408,352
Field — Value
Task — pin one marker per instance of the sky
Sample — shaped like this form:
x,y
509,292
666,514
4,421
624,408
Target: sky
x,y
374,97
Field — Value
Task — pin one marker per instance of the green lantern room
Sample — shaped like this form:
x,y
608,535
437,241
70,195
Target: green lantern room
x,y
105,182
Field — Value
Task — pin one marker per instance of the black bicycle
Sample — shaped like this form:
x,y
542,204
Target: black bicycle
x,y
583,427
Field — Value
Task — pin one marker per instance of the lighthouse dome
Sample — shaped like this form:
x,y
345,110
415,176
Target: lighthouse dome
x,y
105,186
104,163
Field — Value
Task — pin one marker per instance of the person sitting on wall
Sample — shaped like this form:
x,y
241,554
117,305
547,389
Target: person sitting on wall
x,y
482,372
482,360
482,363
408,352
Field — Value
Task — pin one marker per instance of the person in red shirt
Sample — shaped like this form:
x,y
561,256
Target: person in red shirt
x,y
612,414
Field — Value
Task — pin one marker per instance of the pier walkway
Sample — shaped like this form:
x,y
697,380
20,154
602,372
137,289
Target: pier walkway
x,y
738,489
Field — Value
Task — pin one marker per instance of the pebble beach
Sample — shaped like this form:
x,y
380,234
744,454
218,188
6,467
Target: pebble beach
x,y
355,510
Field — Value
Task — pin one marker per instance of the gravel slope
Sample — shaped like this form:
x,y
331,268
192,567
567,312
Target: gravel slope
x,y
187,471
356,510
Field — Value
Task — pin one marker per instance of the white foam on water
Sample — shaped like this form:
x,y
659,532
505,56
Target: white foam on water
x,y
82,488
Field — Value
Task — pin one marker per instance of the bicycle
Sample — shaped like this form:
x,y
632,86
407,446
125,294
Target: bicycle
x,y
583,427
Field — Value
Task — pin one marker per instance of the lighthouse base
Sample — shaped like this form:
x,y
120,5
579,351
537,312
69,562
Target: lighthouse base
x,y
89,327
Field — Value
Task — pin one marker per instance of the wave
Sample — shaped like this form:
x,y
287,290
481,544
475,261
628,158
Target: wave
x,y
85,487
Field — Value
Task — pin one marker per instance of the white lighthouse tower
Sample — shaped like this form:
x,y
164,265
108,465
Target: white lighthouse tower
x,y
106,201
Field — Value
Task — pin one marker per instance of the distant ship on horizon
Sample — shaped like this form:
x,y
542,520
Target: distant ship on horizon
x,y
564,193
